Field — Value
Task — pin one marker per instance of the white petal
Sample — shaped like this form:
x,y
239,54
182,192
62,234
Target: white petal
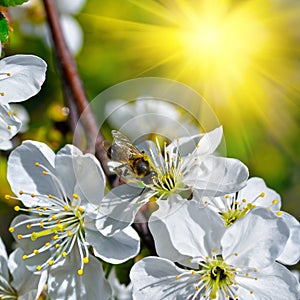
x,y
65,284
275,282
209,142
23,174
80,174
255,240
24,281
3,261
6,145
155,278
117,248
255,186
194,231
215,176
9,125
27,74
22,114
291,252
119,207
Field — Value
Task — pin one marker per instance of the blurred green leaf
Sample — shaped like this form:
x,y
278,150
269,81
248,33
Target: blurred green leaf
x,y
3,29
11,2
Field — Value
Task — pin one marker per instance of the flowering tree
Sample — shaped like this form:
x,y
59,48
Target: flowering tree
x,y
161,197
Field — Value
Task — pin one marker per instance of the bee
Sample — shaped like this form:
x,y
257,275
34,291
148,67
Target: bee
x,y
133,161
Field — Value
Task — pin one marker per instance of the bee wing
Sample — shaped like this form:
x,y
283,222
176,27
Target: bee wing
x,y
122,149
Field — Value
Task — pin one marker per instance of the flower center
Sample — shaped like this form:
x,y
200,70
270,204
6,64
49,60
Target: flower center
x,y
169,173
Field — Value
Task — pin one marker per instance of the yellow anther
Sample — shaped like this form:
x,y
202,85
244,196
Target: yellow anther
x,y
19,236
37,164
251,292
226,196
66,207
236,254
34,236
80,209
7,197
138,202
57,246
190,260
255,270
9,113
247,274
193,272
50,196
177,277
64,254
8,127
69,233
44,172
54,217
2,94
41,224
80,272
197,288
21,192
32,195
35,251
28,226
47,244
44,208
262,194
244,200
24,257
279,213
38,268
274,201
8,74
17,208
213,250
86,260
75,196
55,238
60,227
11,229
40,214
255,278
51,262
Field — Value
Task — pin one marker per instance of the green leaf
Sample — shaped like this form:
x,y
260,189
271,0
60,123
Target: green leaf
x,y
7,3
3,29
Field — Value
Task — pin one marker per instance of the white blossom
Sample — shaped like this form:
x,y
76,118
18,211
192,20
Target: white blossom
x,y
214,262
21,77
232,207
62,193
183,167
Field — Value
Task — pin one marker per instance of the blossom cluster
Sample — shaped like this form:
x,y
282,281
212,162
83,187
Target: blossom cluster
x,y
218,234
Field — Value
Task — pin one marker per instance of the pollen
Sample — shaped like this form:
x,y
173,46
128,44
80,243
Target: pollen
x,y
24,257
80,272
262,195
8,127
37,164
66,208
11,229
35,251
274,201
38,268
64,254
17,208
7,197
50,196
21,192
44,172
2,94
28,226
177,277
32,195
279,213
86,260
51,262
75,196
19,236
9,113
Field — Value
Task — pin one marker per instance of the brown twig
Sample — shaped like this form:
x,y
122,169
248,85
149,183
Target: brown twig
x,y
75,93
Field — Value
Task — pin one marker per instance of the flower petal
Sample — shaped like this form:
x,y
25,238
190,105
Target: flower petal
x,y
65,284
252,191
3,261
114,249
155,278
255,240
23,174
119,207
274,282
26,76
80,174
194,231
215,176
291,252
